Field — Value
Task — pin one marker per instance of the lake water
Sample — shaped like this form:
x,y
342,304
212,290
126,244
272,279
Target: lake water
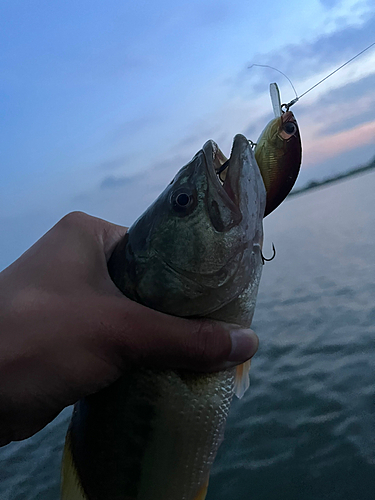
x,y
305,430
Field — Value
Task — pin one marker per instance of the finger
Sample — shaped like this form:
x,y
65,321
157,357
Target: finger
x,y
83,226
149,337
109,234
76,248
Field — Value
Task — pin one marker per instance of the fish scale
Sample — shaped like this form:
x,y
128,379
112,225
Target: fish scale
x,y
189,432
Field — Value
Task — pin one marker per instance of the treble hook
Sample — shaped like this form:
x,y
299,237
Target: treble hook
x,y
273,255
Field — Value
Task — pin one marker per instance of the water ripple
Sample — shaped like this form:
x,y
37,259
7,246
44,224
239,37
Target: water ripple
x,y
306,428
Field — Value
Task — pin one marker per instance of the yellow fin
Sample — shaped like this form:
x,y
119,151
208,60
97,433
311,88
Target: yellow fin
x,y
71,488
202,492
241,380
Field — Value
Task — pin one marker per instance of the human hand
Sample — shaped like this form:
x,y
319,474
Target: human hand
x,y
66,331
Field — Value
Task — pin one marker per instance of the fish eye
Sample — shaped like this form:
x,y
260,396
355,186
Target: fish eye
x,y
183,200
289,128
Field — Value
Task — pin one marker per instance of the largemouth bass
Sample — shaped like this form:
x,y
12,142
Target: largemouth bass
x,y
195,252
278,153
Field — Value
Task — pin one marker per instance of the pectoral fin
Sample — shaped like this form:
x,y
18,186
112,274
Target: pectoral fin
x,y
242,381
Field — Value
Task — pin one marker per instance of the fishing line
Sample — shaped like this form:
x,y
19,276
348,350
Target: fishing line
x,y
333,72
297,98
267,66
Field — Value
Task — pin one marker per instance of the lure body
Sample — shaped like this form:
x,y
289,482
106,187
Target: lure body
x,y
278,153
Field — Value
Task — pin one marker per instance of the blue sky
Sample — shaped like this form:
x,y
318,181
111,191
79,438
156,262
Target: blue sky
x,y
102,102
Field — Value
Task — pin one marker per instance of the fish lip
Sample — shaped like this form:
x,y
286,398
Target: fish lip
x,y
230,189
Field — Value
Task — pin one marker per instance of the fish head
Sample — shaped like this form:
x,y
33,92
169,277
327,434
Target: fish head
x,y
279,153
196,248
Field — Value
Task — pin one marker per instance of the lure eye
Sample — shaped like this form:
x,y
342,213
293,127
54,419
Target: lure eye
x,y
290,128
183,200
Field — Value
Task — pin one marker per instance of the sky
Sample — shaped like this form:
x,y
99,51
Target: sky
x,y
101,103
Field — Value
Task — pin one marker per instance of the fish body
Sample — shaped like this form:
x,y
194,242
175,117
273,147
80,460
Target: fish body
x,y
278,153
195,252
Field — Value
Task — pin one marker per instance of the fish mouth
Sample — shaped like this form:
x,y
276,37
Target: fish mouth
x,y
225,173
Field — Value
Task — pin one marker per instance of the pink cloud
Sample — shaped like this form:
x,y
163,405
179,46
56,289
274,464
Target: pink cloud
x,y
319,148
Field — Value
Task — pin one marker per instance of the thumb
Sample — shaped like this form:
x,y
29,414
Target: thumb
x,y
151,338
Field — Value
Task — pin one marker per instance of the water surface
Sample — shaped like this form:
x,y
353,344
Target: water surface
x,y
306,428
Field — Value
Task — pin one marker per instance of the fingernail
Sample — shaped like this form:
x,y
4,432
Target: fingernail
x,y
244,344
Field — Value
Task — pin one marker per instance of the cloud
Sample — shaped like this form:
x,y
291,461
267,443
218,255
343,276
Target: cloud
x,y
336,165
214,12
112,182
305,59
329,146
122,199
112,164
252,132
195,138
350,92
329,4
342,120
339,109
362,111
134,126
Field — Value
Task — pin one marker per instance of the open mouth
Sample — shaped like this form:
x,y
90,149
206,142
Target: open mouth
x,y
226,171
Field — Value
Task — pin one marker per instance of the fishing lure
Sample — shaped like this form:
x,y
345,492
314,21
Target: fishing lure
x,y
278,150
278,153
